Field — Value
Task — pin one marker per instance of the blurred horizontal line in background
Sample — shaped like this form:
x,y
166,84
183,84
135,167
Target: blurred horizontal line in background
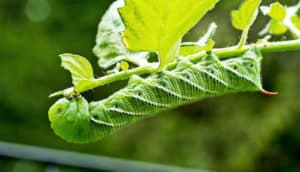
x,y
74,159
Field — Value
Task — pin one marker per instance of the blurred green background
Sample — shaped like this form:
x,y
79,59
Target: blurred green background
x,y
243,132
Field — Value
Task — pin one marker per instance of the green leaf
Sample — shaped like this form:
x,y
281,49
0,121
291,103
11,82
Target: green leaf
x,y
277,11
80,69
158,26
205,43
277,27
109,47
186,50
244,17
124,66
283,19
108,41
296,21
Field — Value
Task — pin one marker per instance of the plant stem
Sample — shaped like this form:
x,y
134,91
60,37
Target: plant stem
x,y
281,46
69,92
119,76
243,39
228,52
222,53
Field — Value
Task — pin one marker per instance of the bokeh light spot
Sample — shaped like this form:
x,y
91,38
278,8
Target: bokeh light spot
x,y
37,10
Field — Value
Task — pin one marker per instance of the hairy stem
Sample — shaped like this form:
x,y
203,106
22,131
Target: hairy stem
x,y
222,53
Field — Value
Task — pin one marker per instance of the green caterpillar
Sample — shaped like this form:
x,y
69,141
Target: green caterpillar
x,y
78,121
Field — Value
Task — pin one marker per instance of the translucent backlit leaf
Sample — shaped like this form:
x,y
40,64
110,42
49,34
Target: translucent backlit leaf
x,y
186,50
205,43
296,21
124,65
80,68
277,27
244,17
283,19
277,11
109,47
159,25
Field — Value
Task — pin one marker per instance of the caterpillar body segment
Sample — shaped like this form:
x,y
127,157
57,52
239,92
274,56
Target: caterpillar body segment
x,y
77,121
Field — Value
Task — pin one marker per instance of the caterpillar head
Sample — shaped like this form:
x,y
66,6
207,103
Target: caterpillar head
x,y
70,119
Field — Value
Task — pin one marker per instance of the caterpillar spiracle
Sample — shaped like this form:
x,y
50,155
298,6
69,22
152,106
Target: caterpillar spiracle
x,y
78,121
